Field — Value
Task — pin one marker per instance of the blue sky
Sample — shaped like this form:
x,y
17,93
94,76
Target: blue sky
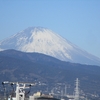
x,y
76,20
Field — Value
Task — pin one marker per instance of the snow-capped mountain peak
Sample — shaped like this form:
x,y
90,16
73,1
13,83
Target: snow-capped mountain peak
x,y
43,40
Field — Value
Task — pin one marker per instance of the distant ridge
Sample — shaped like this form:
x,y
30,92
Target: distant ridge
x,y
31,67
43,40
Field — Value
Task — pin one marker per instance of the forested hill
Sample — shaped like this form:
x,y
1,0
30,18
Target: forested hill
x,y
28,67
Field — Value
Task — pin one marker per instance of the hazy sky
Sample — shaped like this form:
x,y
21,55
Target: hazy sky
x,y
76,20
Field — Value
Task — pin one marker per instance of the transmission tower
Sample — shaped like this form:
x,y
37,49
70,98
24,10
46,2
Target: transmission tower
x,y
76,97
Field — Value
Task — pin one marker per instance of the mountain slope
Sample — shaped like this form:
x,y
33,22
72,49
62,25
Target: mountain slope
x,y
42,40
28,67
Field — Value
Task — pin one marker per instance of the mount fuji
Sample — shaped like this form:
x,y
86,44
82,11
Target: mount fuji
x,y
43,40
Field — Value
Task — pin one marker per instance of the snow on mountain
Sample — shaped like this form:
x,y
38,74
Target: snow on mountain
x,y
42,40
